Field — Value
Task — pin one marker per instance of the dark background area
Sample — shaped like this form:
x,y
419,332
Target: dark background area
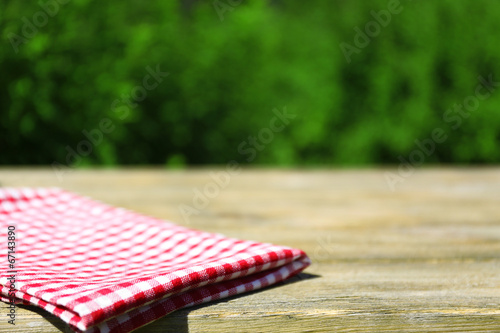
x,y
231,63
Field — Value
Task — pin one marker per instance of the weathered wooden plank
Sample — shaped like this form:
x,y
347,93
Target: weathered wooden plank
x,y
422,258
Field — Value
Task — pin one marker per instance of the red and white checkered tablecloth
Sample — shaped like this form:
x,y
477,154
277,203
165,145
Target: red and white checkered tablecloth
x,y
106,269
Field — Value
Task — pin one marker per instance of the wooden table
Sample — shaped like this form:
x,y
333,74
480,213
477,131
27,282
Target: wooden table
x,y
425,257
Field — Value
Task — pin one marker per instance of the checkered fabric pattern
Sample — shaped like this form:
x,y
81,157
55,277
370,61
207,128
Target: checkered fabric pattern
x,y
106,269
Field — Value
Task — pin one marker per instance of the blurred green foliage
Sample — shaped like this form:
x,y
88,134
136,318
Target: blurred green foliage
x,y
231,64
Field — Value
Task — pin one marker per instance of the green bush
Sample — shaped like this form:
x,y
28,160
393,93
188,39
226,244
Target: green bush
x,y
231,65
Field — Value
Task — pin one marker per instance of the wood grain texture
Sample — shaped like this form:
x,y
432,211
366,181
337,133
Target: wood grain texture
x,y
425,257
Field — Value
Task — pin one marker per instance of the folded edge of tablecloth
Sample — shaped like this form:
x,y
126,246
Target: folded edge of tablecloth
x,y
147,313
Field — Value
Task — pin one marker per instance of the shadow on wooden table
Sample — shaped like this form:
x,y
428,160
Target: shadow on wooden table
x,y
174,322
178,320
55,321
